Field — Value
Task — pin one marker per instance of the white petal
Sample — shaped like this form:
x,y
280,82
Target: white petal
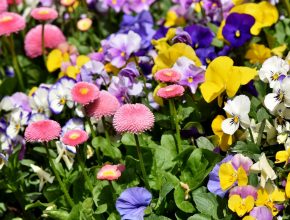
x,y
229,127
242,104
271,102
245,121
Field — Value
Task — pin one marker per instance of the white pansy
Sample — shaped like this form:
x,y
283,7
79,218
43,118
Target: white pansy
x,y
18,119
66,153
272,69
238,109
42,175
6,104
60,95
39,102
263,167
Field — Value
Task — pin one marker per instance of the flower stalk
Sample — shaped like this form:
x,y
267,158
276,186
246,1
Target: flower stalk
x,y
175,121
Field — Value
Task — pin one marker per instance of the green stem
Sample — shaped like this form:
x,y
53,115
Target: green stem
x,y
62,186
141,162
83,169
15,63
176,122
113,191
105,130
94,135
43,43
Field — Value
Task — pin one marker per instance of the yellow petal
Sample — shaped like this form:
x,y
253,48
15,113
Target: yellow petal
x,y
234,202
287,188
279,50
242,177
248,217
262,197
227,175
210,91
72,72
54,60
32,90
246,73
282,156
81,60
278,195
233,83
249,202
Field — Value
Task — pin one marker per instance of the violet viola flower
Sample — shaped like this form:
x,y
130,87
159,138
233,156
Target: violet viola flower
x,y
191,75
132,203
201,36
206,55
182,37
261,213
137,5
142,24
130,71
237,28
115,4
122,46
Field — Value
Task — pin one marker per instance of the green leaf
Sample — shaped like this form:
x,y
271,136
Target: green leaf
x,y
166,188
101,209
58,214
184,112
37,204
248,149
156,217
262,114
203,142
194,124
207,204
199,217
181,203
7,86
106,148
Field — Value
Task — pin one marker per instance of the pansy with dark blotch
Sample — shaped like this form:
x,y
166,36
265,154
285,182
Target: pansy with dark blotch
x,y
201,36
237,28
132,203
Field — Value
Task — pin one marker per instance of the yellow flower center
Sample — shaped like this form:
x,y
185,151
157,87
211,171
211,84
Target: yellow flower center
x,y
74,136
108,173
43,12
84,91
17,127
62,101
275,76
6,18
168,73
207,60
236,119
114,2
237,33
190,80
196,45
123,54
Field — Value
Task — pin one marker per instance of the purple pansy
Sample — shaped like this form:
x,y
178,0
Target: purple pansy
x,y
115,4
121,48
137,6
201,36
132,203
237,28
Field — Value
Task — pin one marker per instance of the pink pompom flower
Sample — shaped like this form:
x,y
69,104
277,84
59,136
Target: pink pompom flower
x,y
42,131
44,14
75,137
12,2
133,118
53,36
110,172
3,6
105,105
170,91
84,92
167,75
11,22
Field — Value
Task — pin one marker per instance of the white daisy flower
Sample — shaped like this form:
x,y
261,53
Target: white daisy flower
x,y
238,109
273,69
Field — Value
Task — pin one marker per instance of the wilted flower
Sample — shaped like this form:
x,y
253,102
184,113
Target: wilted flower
x,y
132,203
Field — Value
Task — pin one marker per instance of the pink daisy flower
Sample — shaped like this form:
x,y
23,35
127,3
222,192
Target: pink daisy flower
x,y
75,137
133,118
42,131
170,91
84,92
105,105
167,75
11,2
110,172
3,6
11,22
44,14
53,36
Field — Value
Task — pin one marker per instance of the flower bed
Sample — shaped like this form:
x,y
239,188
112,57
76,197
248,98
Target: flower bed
x,y
144,109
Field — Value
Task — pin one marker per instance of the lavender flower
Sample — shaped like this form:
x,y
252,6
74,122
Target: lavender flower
x,y
132,203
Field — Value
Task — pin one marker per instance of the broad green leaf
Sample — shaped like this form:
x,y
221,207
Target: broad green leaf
x,y
181,203
203,142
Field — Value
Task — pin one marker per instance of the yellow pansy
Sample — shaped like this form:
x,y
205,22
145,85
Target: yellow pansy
x,y
55,58
172,19
221,75
270,195
162,43
228,176
287,188
278,51
258,53
283,156
241,205
248,217
225,140
167,58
